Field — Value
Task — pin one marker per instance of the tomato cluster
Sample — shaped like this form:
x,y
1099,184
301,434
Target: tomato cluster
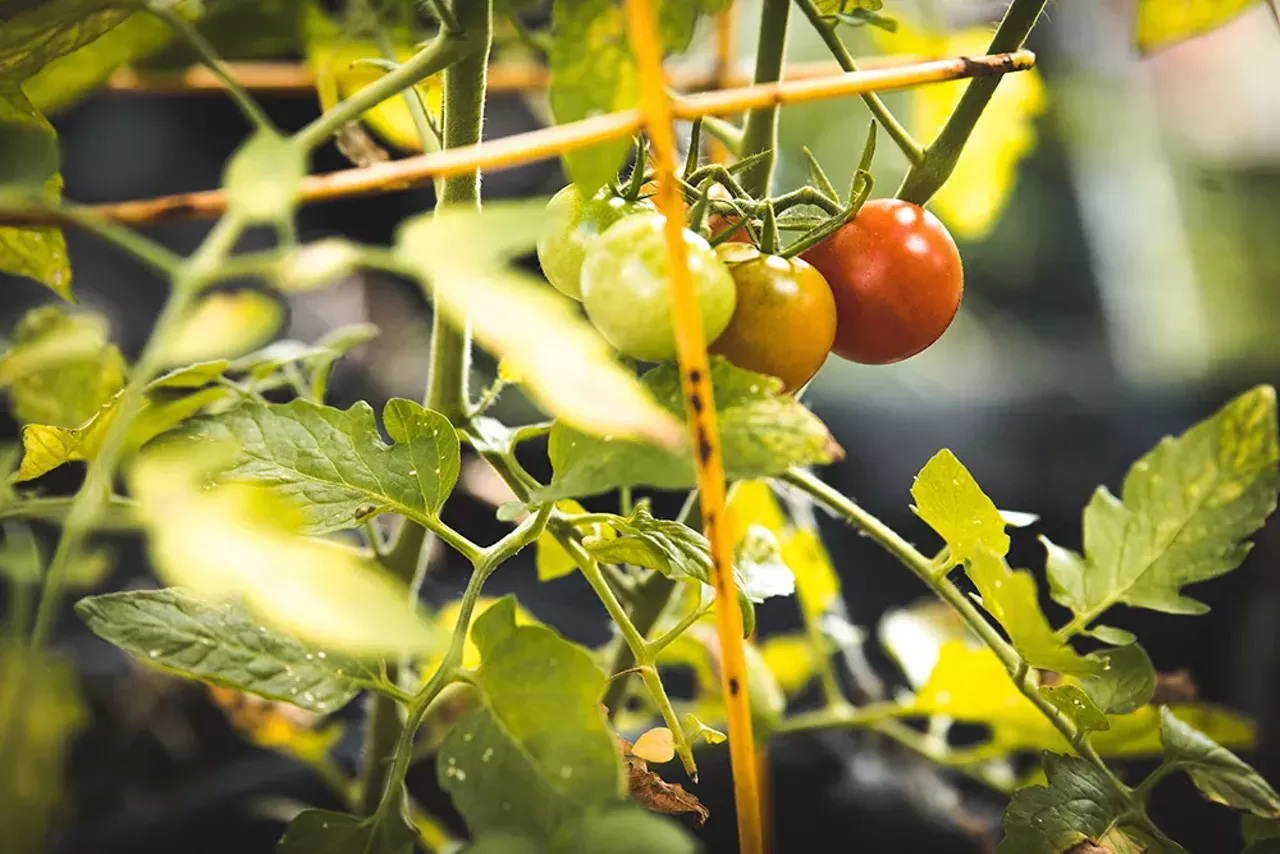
x,y
882,288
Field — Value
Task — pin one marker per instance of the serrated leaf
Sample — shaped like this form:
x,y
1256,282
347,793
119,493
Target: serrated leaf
x,y
1218,773
1186,508
40,711
1078,706
333,463
60,367
592,73
1010,596
567,366
1159,23
237,541
951,502
641,539
29,159
325,832
1079,804
262,177
762,433
221,643
625,830
37,33
224,325
1126,683
538,751
759,568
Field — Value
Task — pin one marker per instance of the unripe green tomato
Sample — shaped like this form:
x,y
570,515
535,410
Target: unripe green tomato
x,y
572,224
785,321
626,288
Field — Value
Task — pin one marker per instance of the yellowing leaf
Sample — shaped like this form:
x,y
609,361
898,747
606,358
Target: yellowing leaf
x,y
752,502
1162,22
224,325
656,745
791,659
914,636
241,541
976,193
817,584
951,502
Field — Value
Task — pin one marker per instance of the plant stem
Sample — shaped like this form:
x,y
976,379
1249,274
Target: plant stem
x,y
464,91
760,133
899,134
926,177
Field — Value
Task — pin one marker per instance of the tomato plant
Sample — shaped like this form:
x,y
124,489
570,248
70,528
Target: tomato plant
x,y
626,288
291,539
897,279
785,320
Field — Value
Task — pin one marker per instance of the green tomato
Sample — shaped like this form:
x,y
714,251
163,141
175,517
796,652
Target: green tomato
x,y
626,288
572,224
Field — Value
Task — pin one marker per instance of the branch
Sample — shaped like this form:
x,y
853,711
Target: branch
x,y
541,144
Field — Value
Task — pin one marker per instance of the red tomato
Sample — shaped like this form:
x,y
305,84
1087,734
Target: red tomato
x,y
897,279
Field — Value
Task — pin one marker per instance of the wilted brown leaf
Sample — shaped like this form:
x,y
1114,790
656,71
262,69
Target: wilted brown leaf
x,y
656,794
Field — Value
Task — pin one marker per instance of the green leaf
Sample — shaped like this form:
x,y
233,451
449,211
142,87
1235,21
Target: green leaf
x,y
1126,683
1187,505
695,729
241,542
504,843
222,643
670,547
262,177
951,502
29,160
67,79
1160,23
38,33
40,711
1261,835
550,558
567,366
225,324
333,464
326,832
20,559
1010,596
538,751
1077,706
592,73
60,367
759,568
1078,805
762,433
678,19
45,448
626,830
1217,772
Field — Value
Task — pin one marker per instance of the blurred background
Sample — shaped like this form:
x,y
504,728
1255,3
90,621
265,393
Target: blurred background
x,y
1118,216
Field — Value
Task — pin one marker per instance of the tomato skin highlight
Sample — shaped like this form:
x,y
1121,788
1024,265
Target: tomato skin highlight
x,y
785,321
626,287
572,224
897,279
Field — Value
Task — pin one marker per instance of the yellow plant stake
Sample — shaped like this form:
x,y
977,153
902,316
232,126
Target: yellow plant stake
x,y
695,375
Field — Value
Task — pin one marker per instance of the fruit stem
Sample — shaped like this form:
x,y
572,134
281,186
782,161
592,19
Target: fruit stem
x,y
760,134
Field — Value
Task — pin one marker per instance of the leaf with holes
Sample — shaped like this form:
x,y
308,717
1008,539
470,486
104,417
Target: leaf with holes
x,y
951,502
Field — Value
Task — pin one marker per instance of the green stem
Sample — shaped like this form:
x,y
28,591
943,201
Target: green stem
x,y
209,56
382,731
927,176
464,91
760,134
903,139
117,511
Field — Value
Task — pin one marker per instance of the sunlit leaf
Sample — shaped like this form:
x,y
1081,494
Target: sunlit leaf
x,y
222,644
951,502
762,433
1159,23
242,541
1010,596
29,159
1218,773
976,194
592,73
538,752
40,711
656,745
333,464
759,568
817,584
226,324
791,659
1187,506
262,177
914,636
37,33
316,265
567,366
1079,804
325,832
752,502
550,558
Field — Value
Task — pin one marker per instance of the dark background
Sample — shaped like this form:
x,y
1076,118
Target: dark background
x,y
1034,390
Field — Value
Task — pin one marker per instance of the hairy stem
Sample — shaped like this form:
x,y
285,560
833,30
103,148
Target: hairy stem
x,y
760,134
